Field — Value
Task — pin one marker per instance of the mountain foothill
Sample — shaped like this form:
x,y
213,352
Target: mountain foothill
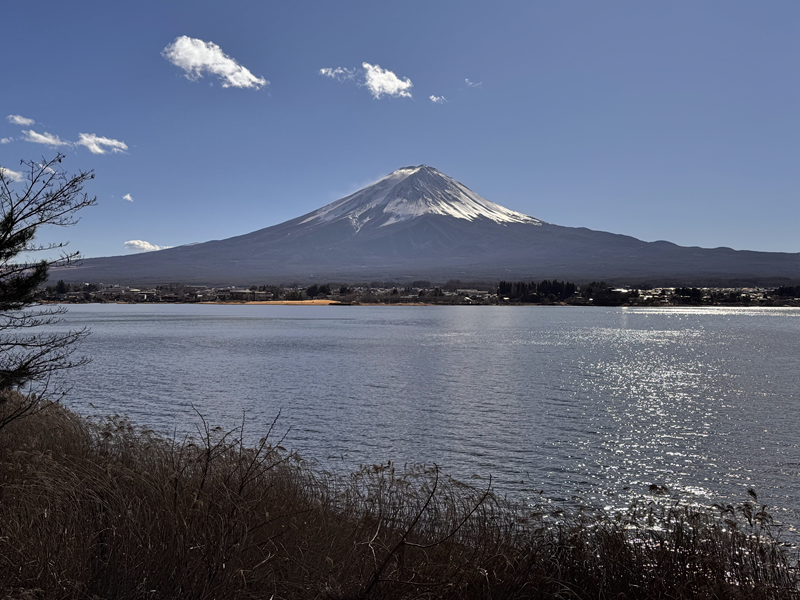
x,y
418,223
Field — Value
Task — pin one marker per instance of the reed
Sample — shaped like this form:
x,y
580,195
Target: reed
x,y
112,511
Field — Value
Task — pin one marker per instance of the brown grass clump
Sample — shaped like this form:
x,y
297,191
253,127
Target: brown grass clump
x,y
110,511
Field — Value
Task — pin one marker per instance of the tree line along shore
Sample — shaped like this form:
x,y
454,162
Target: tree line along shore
x,y
546,292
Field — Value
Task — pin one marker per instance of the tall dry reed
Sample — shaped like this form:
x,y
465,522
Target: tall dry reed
x,y
112,511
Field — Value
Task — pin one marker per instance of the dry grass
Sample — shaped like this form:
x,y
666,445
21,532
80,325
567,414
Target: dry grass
x,y
114,512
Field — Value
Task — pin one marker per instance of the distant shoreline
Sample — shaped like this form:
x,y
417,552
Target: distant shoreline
x,y
337,303
312,303
284,302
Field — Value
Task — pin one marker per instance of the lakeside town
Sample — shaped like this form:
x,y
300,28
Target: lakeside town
x,y
424,292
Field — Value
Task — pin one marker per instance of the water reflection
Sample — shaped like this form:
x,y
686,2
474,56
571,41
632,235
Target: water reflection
x,y
583,402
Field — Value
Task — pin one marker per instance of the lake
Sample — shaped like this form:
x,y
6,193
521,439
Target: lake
x,y
583,404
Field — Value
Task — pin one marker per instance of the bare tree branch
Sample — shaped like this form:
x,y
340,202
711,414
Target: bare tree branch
x,y
28,359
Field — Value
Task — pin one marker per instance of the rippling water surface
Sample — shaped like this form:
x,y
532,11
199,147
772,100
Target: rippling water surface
x,y
595,403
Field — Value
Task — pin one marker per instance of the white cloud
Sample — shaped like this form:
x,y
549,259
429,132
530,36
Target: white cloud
x,y
43,138
438,99
6,140
128,197
142,246
382,81
339,73
95,143
20,120
12,175
197,57
100,145
473,84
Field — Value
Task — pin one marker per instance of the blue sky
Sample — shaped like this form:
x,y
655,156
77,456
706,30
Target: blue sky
x,y
677,121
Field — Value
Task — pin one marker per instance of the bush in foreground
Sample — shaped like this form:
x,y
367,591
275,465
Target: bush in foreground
x,y
112,511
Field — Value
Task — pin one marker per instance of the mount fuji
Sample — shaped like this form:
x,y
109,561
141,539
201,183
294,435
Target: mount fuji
x,y
418,223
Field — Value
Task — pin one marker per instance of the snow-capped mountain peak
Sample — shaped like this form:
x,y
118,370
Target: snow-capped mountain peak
x,y
413,192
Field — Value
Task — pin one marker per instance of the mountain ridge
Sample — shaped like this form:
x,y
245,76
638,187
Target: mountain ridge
x,y
411,192
418,223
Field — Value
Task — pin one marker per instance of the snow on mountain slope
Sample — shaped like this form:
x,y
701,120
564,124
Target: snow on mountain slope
x,y
412,192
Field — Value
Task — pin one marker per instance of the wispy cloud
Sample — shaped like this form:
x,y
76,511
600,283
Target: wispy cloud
x,y
142,246
473,84
339,73
197,57
438,99
128,197
6,140
45,138
95,143
12,175
100,145
20,120
380,82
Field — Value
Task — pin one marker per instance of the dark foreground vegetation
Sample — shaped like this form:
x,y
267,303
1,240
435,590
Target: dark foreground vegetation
x,y
107,510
